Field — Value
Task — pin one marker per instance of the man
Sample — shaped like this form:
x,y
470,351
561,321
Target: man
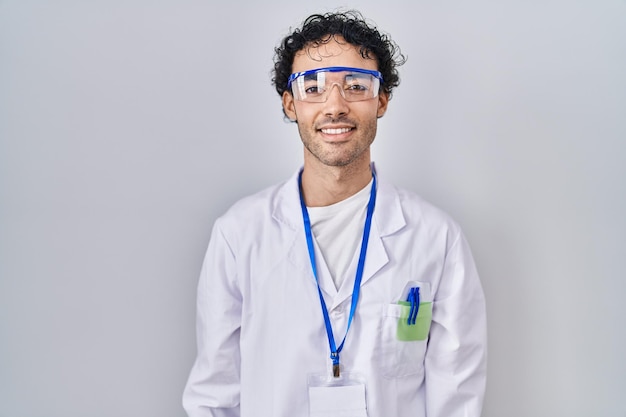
x,y
335,293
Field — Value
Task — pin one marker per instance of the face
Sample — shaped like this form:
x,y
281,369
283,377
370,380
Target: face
x,y
336,132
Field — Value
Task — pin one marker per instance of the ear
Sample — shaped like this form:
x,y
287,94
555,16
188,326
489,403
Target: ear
x,y
383,101
289,106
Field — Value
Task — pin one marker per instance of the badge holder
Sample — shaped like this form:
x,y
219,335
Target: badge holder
x,y
342,396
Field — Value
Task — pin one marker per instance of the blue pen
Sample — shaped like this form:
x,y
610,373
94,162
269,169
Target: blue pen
x,y
414,299
416,296
409,299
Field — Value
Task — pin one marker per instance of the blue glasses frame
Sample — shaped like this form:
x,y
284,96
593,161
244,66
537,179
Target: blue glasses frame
x,y
295,75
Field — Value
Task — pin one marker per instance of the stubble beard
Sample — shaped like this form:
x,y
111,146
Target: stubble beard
x,y
339,157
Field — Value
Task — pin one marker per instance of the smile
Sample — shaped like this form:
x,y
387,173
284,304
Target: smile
x,y
336,131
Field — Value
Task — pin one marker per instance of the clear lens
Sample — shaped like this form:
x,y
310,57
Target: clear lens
x,y
354,84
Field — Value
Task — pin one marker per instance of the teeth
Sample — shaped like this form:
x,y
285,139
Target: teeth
x,y
336,131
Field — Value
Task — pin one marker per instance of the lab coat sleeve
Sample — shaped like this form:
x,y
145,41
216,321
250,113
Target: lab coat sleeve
x,y
455,364
212,389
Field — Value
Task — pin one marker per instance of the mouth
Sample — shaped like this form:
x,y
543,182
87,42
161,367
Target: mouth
x,y
336,131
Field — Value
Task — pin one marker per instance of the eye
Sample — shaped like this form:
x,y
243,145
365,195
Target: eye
x,y
355,83
357,87
311,89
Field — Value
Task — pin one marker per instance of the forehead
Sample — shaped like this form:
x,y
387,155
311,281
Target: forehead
x,y
334,52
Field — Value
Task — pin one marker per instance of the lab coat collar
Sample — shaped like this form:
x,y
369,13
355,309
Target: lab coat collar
x,y
388,219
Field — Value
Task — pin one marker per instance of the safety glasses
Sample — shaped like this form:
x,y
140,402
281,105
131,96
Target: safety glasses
x,y
355,84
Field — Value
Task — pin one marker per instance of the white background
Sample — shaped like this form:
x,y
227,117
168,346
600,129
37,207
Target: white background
x,y
127,127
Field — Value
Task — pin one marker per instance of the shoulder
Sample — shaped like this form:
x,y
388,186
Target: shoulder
x,y
415,203
256,212
417,211
252,206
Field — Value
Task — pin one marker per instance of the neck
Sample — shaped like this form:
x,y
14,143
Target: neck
x,y
325,185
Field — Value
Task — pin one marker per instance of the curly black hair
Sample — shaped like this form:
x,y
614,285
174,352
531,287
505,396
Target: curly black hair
x,y
318,29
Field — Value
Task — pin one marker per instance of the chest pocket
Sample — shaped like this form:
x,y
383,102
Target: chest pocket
x,y
404,334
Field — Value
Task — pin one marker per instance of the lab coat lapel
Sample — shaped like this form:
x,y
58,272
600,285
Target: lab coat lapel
x,y
388,219
287,211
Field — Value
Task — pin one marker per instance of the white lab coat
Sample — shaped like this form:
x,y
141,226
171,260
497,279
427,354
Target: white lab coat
x,y
260,330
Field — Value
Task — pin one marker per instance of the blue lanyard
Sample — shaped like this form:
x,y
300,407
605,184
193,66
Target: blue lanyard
x,y
334,351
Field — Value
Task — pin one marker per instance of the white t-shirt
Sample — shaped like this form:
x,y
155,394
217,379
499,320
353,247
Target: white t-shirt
x,y
338,230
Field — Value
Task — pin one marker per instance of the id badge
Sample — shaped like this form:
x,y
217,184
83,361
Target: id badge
x,y
337,397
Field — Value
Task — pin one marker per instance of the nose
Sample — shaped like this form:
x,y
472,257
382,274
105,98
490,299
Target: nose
x,y
335,104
